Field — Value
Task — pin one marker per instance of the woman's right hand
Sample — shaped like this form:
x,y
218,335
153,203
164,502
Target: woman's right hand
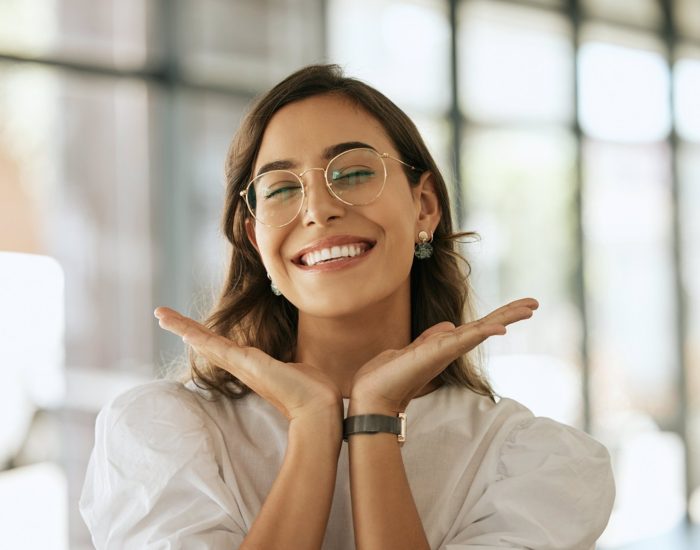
x,y
299,391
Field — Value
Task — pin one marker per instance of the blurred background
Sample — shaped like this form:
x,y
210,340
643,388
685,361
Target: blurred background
x,y
569,132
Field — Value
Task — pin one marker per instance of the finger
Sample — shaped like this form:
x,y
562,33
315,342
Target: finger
x,y
510,313
529,303
453,344
184,327
471,335
209,344
441,348
426,359
444,343
467,337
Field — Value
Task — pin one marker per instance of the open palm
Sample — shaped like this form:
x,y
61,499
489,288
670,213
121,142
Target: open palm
x,y
295,389
391,379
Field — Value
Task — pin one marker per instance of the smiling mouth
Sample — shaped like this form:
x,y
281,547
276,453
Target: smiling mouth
x,y
334,253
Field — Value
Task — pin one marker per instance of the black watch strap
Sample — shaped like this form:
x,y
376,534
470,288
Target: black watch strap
x,y
375,423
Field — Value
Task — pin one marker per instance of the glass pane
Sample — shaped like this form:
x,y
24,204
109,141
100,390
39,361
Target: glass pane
x,y
436,134
517,187
209,123
515,63
247,44
687,17
548,3
627,219
687,92
689,202
646,13
371,40
77,153
632,338
623,93
115,33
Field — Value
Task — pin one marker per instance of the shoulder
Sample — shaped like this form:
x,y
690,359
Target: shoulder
x,y
469,416
154,476
183,417
155,427
508,441
529,442
161,390
149,403
511,428
558,472
523,443
539,481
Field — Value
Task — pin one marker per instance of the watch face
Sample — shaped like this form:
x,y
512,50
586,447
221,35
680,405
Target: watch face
x,y
402,434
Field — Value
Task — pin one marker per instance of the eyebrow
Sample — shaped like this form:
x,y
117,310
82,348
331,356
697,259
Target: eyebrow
x,y
328,154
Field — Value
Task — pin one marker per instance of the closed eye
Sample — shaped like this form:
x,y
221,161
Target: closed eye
x,y
352,175
281,192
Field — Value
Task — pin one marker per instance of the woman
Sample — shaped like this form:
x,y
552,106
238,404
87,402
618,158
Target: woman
x,y
344,298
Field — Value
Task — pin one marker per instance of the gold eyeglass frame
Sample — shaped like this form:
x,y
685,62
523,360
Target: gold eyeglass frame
x,y
329,186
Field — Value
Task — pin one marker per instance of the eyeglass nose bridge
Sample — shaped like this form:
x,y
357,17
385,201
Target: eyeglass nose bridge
x,y
325,181
325,178
329,186
301,175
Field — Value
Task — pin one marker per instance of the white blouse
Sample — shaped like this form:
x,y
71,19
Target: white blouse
x,y
174,470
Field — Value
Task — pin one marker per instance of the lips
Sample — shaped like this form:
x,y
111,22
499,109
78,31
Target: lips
x,y
332,249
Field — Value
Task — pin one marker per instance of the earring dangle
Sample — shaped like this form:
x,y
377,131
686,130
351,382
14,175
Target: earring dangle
x,y
276,291
424,249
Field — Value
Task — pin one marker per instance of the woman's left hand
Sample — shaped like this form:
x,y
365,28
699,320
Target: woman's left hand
x,y
387,383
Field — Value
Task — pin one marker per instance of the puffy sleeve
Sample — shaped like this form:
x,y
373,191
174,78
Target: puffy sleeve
x,y
552,489
153,480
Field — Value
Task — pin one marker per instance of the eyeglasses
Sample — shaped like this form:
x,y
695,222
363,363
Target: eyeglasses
x,y
355,177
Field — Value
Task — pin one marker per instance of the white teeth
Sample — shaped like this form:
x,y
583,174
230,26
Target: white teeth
x,y
333,253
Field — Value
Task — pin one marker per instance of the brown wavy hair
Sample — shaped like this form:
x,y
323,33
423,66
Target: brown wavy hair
x,y
251,315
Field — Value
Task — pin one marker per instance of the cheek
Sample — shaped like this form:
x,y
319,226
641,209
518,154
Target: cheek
x,y
269,248
400,244
402,227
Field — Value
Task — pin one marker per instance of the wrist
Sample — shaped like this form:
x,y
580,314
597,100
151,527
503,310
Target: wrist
x,y
324,426
360,406
374,424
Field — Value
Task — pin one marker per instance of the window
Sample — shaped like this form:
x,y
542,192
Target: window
x,y
569,133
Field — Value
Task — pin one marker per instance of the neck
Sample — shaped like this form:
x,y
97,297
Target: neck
x,y
341,345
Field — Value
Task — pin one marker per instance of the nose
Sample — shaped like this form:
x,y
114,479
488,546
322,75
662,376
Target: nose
x,y
321,206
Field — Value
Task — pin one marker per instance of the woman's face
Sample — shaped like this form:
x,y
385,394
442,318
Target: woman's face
x,y
305,134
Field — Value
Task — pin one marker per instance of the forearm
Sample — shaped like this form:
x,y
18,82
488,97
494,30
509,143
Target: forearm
x,y
298,505
384,512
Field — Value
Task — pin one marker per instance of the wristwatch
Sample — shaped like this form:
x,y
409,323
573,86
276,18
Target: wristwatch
x,y
376,423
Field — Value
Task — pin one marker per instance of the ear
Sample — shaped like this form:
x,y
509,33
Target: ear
x,y
250,231
427,204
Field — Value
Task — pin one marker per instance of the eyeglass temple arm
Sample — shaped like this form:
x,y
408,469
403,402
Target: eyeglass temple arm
x,y
388,156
